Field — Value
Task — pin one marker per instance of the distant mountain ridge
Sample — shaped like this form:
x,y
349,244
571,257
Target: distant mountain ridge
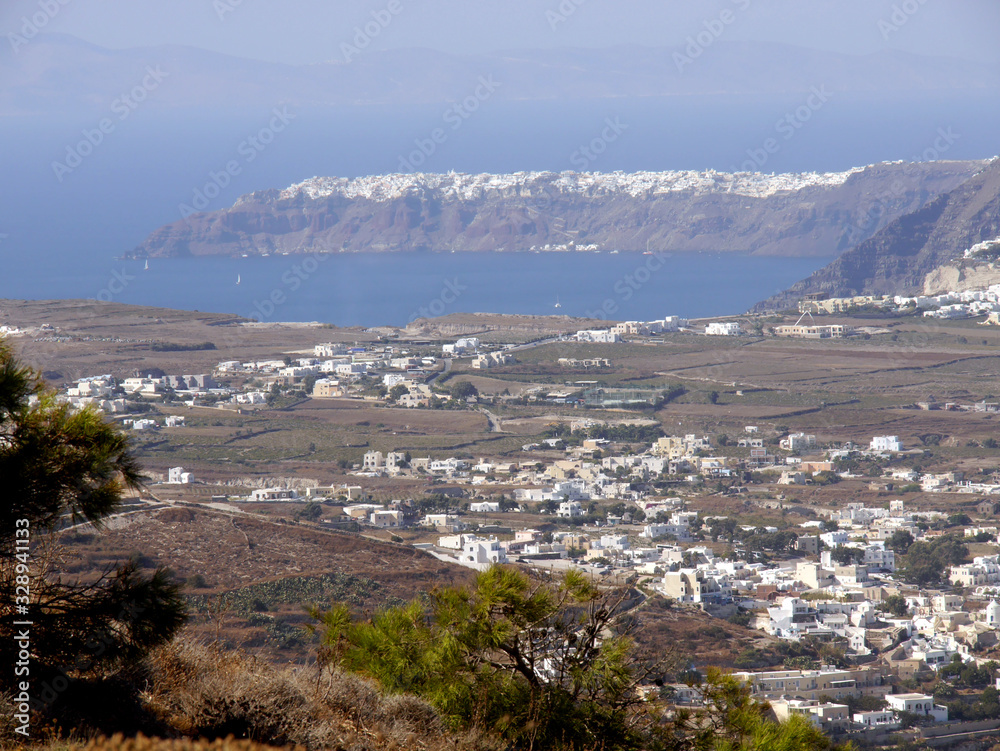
x,y
793,215
898,259
60,73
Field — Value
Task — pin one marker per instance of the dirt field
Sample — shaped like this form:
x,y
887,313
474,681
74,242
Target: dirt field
x,y
280,567
692,637
249,581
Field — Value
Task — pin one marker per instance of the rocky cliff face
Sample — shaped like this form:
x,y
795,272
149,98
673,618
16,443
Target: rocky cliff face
x,y
959,277
914,248
792,215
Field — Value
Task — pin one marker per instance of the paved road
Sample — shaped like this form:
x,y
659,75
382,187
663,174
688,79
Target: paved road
x,y
539,343
445,371
494,421
111,521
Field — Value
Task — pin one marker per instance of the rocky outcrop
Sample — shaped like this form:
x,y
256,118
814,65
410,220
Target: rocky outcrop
x,y
959,277
790,215
898,258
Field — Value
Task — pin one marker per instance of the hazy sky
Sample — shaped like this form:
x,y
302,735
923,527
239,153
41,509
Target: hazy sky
x,y
305,31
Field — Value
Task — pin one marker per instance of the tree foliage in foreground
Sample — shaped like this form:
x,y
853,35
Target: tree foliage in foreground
x,y
732,720
544,666
535,663
60,466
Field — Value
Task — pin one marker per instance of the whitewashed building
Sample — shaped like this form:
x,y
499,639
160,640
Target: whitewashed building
x,y
886,443
723,329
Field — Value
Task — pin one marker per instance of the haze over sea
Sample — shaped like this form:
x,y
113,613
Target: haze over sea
x,y
61,239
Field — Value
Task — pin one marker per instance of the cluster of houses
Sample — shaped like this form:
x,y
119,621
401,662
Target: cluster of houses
x,y
818,694
149,423
332,359
100,391
983,407
336,368
584,475
183,383
615,333
966,304
595,362
970,303
988,249
825,598
111,394
333,369
396,463
819,595
820,304
834,586
591,471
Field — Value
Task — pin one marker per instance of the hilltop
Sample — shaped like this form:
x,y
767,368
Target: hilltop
x,y
807,214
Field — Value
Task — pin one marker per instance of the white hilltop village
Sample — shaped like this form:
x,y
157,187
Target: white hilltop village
x,y
526,184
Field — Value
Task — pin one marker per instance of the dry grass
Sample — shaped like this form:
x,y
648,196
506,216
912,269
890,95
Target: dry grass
x,y
118,742
191,697
201,691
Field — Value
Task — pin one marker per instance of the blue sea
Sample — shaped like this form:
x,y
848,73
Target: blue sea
x,y
367,289
61,233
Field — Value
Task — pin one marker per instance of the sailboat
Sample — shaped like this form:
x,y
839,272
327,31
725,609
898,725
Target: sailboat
x,y
558,304
237,279
146,267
